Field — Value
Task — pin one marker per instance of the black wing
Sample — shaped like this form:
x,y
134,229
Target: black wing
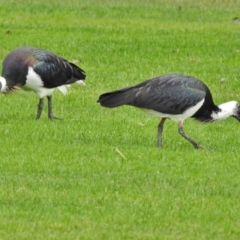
x,y
171,94
56,71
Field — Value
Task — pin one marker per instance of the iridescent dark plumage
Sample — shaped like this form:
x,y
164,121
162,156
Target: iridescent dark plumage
x,y
172,96
41,71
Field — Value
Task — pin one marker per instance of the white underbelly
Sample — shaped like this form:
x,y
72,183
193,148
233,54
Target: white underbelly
x,y
35,83
176,117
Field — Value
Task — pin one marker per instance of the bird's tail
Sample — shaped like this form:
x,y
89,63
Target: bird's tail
x,y
116,98
81,83
77,72
63,88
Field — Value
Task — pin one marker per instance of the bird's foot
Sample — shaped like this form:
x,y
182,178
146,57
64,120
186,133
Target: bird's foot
x,y
51,117
197,146
204,147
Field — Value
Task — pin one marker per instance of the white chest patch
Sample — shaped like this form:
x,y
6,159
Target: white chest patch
x,y
35,83
177,117
3,84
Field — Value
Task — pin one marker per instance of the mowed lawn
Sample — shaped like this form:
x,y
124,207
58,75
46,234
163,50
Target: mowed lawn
x,y
97,174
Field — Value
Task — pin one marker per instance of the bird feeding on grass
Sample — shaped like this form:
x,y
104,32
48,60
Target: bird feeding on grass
x,y
172,96
41,71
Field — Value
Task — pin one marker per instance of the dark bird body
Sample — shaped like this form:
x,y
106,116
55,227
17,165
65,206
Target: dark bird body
x,y
38,70
173,96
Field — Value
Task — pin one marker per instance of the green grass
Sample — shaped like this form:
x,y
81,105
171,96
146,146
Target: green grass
x,y
97,174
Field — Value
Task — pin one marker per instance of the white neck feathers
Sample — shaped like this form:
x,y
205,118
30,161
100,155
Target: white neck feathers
x,y
226,110
3,84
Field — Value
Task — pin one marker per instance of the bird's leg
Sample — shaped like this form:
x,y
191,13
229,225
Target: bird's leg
x,y
181,131
40,108
160,130
50,113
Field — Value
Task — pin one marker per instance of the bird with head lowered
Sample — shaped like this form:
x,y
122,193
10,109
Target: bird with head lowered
x,y
172,96
40,71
